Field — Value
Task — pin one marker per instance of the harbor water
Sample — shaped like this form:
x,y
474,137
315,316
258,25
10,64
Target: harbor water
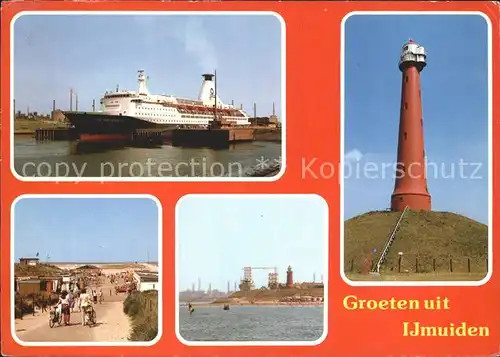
x,y
252,323
55,159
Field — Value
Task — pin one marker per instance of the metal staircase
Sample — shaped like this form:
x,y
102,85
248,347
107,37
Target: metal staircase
x,y
389,242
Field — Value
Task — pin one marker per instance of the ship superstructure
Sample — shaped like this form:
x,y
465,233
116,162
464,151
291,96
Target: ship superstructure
x,y
170,110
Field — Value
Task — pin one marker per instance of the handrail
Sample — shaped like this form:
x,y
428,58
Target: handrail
x,y
389,242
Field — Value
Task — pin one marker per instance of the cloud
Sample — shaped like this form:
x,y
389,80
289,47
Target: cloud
x,y
190,32
197,43
353,155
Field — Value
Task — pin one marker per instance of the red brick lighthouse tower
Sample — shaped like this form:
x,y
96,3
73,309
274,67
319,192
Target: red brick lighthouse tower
x,y
410,188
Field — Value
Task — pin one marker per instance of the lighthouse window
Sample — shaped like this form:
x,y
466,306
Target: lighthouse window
x,y
406,135
406,78
406,105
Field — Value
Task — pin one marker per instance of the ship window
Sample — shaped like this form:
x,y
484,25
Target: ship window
x,y
406,105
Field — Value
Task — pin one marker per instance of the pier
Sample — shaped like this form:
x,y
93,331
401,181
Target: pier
x,y
54,134
222,138
211,138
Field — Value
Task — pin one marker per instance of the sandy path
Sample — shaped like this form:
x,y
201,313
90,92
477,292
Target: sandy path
x,y
112,325
115,325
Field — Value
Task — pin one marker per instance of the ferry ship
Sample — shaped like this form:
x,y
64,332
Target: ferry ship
x,y
123,111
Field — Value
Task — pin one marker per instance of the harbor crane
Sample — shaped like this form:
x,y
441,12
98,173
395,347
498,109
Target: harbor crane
x,y
248,283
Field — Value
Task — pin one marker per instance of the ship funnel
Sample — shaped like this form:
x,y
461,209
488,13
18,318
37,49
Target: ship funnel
x,y
141,79
207,91
208,77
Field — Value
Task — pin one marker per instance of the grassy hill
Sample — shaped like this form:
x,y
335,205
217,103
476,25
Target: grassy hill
x,y
428,241
21,270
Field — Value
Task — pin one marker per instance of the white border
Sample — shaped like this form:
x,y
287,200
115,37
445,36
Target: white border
x,y
155,179
253,343
490,153
90,343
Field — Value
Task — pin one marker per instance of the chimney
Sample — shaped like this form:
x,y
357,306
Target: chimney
x,y
255,110
14,107
93,105
76,102
71,99
53,109
274,110
232,102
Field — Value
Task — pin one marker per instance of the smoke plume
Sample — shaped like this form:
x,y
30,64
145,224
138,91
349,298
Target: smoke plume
x,y
197,43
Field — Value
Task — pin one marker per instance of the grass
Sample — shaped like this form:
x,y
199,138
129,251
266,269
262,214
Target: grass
x,y
24,304
21,270
270,295
121,266
29,126
417,277
440,245
142,309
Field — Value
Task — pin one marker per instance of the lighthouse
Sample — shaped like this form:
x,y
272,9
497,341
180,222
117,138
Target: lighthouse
x,y
410,188
289,277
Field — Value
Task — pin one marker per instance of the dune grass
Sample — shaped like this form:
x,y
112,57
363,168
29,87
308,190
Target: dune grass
x,y
142,309
434,245
22,270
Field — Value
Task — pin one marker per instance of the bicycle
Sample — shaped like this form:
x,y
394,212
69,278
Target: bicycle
x,y
54,317
90,317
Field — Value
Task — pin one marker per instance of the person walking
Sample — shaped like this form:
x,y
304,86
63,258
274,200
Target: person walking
x,y
64,303
85,304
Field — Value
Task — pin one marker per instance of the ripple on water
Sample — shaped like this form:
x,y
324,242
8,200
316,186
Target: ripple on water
x,y
252,323
166,161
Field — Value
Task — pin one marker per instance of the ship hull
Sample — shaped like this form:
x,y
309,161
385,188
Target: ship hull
x,y
98,124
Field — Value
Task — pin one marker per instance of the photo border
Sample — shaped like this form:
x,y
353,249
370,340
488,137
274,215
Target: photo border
x,y
153,179
490,147
87,343
326,256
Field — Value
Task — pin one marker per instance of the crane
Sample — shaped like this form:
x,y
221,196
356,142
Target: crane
x,y
248,279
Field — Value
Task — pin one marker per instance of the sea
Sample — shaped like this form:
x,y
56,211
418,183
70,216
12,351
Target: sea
x,y
55,159
252,323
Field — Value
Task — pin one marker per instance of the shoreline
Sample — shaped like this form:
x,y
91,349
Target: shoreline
x,y
259,304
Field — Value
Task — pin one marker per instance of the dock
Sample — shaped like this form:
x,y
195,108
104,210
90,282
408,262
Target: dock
x,y
222,138
214,138
54,134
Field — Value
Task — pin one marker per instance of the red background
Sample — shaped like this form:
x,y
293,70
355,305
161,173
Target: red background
x,y
313,131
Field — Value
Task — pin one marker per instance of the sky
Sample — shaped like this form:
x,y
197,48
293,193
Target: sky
x,y
455,110
92,54
218,236
86,229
